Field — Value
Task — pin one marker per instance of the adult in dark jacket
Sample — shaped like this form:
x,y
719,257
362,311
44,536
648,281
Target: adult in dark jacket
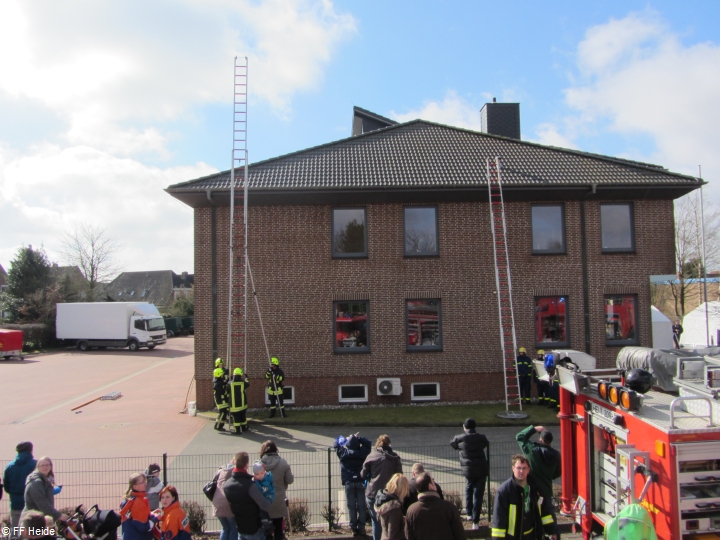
x,y
518,513
542,386
352,452
544,460
677,331
417,470
221,393
246,500
16,472
389,508
432,518
378,468
472,447
39,491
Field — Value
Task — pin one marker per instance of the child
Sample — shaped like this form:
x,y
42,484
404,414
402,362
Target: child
x,y
264,480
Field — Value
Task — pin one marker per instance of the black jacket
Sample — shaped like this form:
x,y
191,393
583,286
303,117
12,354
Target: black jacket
x,y
246,500
413,494
352,456
472,448
508,513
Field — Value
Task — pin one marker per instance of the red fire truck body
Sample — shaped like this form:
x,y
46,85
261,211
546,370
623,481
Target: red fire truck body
x,y
665,455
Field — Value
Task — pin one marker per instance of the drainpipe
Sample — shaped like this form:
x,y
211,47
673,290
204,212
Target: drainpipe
x,y
584,258
213,258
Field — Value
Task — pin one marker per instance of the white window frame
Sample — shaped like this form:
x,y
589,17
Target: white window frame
x,y
285,402
352,400
413,397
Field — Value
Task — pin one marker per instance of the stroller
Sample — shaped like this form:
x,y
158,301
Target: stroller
x,y
93,524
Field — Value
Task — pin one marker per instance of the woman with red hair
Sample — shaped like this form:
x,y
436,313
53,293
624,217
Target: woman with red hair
x,y
173,522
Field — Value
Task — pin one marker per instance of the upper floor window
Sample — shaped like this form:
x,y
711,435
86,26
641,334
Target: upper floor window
x,y
618,232
548,228
421,231
349,233
620,319
351,327
551,321
424,328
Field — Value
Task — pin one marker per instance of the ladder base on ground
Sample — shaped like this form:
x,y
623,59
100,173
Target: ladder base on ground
x,y
512,415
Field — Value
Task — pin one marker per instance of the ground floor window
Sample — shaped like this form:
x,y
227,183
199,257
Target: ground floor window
x,y
551,318
351,329
620,319
424,328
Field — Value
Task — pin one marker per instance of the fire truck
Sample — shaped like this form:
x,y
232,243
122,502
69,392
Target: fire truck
x,y
660,450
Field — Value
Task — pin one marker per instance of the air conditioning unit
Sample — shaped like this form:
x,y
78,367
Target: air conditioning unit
x,y
389,387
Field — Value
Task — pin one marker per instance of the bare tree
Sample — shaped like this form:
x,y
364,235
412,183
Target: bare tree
x,y
688,248
90,248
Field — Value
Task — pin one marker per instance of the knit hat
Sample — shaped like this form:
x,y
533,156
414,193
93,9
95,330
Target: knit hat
x,y
25,446
469,423
153,468
258,467
546,437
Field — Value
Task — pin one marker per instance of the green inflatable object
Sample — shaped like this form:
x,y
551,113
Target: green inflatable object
x,y
632,523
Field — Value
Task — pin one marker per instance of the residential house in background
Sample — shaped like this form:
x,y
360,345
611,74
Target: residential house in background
x,y
159,287
3,279
372,258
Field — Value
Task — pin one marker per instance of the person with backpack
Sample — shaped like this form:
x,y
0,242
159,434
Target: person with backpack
x,y
351,452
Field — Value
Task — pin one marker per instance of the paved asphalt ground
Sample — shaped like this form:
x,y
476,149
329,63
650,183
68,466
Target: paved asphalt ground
x,y
37,396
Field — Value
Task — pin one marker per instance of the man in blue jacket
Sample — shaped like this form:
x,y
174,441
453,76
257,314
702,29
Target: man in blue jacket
x,y
16,472
352,452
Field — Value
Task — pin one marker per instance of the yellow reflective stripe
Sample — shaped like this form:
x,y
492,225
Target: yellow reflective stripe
x,y
547,520
499,533
512,517
530,531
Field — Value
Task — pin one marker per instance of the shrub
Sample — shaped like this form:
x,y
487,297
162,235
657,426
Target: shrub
x,y
455,498
35,336
331,514
196,516
299,514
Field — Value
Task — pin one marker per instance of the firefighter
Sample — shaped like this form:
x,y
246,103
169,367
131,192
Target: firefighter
x,y
552,392
238,400
544,459
542,386
525,369
221,379
275,377
518,511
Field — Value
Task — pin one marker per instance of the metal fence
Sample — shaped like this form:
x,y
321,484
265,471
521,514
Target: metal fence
x,y
103,481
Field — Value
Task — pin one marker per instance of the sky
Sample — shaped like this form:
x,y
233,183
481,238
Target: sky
x,y
105,104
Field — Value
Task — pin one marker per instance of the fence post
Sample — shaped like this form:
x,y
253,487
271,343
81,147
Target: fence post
x,y
489,493
329,480
165,469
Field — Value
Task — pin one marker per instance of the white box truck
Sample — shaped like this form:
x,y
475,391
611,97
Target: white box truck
x,y
111,324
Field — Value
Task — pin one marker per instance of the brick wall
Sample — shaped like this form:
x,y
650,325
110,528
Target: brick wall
x,y
297,281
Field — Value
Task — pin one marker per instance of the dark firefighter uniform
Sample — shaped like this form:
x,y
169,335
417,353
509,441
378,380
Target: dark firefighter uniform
x,y
221,379
525,370
520,513
552,393
542,386
275,377
238,400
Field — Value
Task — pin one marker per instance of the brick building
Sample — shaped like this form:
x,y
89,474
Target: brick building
x,y
372,257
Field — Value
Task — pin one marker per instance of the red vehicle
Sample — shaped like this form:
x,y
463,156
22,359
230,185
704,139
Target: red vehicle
x,y
11,343
658,450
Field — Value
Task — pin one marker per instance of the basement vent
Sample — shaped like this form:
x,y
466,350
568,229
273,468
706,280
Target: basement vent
x,y
353,393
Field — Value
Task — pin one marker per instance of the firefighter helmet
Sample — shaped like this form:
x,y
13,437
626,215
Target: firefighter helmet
x,y
540,351
237,371
639,380
218,372
522,350
218,362
274,361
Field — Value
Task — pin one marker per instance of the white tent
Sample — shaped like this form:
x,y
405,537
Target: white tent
x,y
661,330
694,326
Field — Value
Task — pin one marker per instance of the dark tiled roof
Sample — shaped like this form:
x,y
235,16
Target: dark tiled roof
x,y
3,276
155,287
421,154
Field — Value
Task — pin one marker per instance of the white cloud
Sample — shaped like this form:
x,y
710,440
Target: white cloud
x,y
637,78
45,194
451,111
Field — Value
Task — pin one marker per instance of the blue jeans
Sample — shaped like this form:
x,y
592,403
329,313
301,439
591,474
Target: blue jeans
x,y
474,488
229,528
376,525
257,535
355,495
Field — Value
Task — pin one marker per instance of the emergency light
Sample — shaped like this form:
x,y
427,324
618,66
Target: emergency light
x,y
629,399
602,389
618,395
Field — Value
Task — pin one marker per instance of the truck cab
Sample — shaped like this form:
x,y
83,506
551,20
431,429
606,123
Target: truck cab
x,y
146,332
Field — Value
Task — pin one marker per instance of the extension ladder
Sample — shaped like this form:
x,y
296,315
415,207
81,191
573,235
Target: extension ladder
x,y
503,287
